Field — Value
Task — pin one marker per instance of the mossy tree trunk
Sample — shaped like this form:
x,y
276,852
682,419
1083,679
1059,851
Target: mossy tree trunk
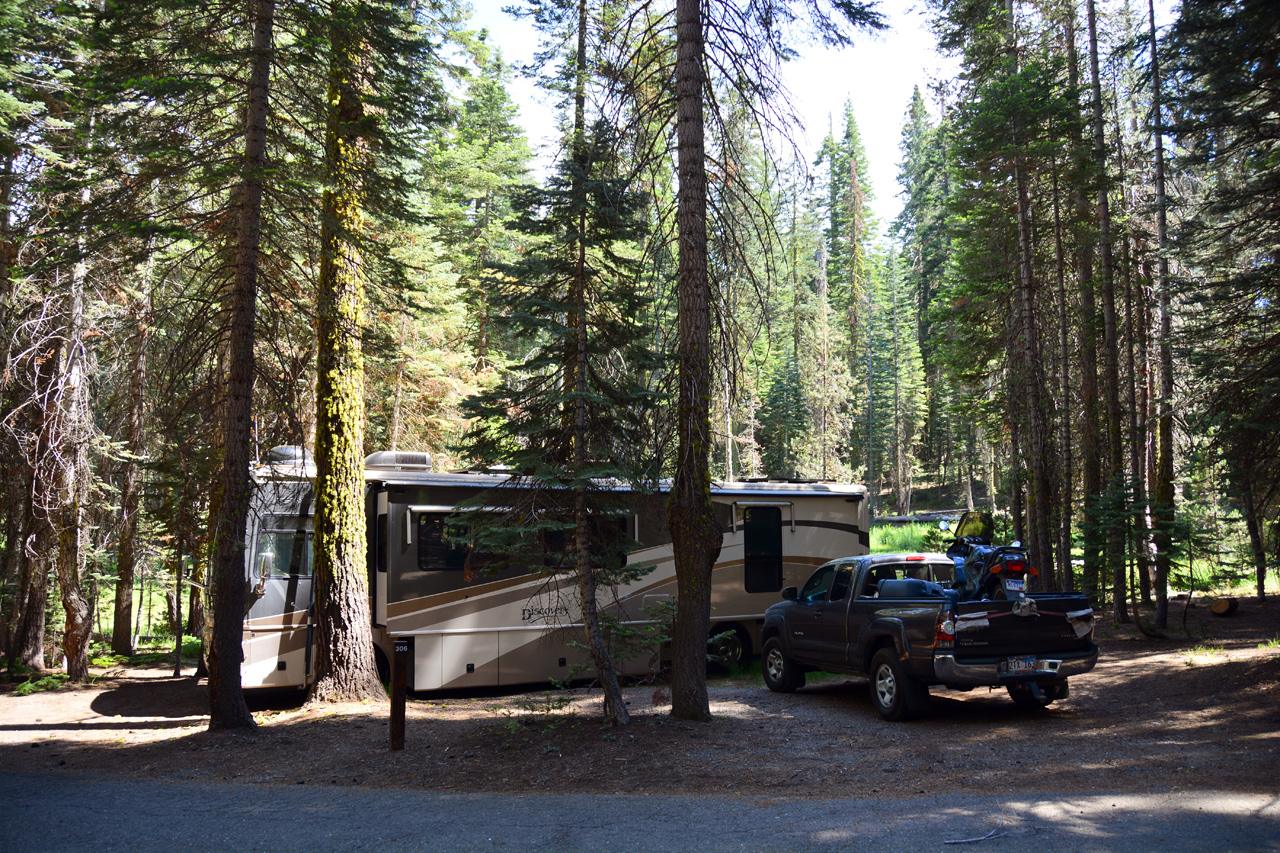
x,y
345,666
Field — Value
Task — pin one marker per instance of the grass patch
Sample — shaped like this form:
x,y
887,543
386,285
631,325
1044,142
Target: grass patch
x,y
895,538
1273,643
1203,651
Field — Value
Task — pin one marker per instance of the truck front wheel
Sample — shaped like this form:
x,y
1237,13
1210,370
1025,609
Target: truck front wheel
x,y
781,675
896,695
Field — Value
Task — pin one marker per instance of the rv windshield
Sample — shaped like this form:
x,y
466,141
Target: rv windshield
x,y
284,547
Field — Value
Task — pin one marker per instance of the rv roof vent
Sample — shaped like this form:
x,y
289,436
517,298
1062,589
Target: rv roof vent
x,y
395,460
286,454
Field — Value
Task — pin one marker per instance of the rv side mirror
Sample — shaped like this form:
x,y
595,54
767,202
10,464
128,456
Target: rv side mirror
x,y
790,593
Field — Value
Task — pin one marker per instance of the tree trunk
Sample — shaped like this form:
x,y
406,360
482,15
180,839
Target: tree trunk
x,y
177,606
1110,342
1224,606
691,517
27,643
615,708
1090,441
1065,578
227,707
71,446
1041,548
130,489
1253,523
345,666
1162,488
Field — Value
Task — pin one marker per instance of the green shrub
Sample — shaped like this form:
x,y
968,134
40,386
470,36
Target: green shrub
x,y
52,681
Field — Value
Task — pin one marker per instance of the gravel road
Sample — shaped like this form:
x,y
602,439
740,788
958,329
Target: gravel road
x,y
56,812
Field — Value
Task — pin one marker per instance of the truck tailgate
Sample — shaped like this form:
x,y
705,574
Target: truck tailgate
x,y
1042,623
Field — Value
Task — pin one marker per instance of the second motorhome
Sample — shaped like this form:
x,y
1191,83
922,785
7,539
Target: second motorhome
x,y
468,628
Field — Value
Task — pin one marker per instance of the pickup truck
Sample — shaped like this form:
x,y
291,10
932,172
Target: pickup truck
x,y
899,620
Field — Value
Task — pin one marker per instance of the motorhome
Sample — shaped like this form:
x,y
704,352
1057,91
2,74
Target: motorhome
x,y
468,627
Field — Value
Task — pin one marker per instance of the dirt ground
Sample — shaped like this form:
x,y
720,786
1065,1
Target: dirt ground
x,y
1201,711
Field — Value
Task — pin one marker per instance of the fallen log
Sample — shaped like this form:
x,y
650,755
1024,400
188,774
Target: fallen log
x,y
1223,606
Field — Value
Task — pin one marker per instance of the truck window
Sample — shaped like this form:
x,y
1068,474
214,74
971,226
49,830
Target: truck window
x,y
875,575
818,584
929,572
840,586
762,546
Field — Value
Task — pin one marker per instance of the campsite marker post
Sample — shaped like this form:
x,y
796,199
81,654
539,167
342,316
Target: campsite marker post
x,y
399,673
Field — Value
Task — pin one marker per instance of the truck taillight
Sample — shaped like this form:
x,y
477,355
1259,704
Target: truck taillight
x,y
944,636
1018,567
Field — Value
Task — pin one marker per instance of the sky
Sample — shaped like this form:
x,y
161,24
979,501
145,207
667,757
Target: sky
x,y
876,75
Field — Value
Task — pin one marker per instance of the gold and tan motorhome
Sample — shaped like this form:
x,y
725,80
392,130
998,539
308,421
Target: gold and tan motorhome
x,y
468,628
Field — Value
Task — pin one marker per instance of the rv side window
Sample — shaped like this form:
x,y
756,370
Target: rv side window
x,y
434,554
762,541
284,547
438,548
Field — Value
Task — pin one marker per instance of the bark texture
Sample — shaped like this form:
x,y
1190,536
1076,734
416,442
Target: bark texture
x,y
227,708
691,518
1162,486
130,491
1110,334
1090,439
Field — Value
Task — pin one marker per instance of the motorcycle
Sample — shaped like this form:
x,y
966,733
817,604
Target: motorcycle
x,y
983,570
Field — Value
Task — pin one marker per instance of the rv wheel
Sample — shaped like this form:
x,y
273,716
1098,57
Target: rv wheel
x,y
728,646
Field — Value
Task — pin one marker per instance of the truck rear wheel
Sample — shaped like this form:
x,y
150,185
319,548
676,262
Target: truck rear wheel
x,y
895,695
781,675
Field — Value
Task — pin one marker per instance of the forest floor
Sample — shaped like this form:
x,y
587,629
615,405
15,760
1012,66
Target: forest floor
x,y
1200,711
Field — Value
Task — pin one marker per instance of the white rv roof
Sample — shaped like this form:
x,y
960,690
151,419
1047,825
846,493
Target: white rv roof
x,y
763,489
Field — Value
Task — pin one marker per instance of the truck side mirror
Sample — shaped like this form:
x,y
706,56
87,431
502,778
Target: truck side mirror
x,y
790,593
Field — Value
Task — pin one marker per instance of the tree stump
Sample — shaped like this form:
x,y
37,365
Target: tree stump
x,y
1223,606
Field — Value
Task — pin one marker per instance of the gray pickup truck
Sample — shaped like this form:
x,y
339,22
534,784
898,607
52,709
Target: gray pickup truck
x,y
896,619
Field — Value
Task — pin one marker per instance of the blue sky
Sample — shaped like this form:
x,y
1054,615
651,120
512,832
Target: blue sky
x,y
877,75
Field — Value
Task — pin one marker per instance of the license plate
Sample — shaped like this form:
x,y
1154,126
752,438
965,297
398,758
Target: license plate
x,y
1015,585
1021,665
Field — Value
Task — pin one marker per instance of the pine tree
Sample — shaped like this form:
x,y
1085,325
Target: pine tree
x,y
571,418
1225,59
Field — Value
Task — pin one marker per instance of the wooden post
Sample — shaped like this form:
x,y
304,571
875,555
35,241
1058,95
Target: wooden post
x,y
399,677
